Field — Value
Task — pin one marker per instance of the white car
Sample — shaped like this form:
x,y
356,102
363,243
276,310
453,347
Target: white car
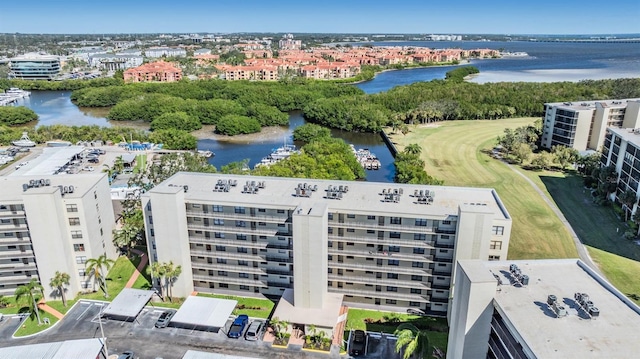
x,y
88,169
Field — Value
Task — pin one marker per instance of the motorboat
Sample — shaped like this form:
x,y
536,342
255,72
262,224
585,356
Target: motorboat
x,y
24,141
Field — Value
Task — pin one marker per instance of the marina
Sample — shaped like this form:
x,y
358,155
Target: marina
x,y
12,95
367,160
278,154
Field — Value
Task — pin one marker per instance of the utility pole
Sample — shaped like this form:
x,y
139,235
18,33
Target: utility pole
x,y
104,339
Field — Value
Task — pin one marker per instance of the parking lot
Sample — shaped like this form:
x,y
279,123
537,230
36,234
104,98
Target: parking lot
x,y
141,336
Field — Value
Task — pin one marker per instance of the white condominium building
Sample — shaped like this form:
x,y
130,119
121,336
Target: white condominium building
x,y
582,125
539,309
622,149
380,245
53,223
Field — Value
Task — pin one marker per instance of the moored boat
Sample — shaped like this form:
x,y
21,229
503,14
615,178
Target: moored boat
x,y
24,141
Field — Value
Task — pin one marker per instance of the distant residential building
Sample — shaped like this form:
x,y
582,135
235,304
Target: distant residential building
x,y
621,149
34,66
113,62
202,52
582,125
288,43
130,52
156,71
84,53
155,52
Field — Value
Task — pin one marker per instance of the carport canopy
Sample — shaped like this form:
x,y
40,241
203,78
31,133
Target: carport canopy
x,y
129,303
69,349
192,354
204,312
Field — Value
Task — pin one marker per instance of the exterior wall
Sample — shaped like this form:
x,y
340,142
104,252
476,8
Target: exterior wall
x,y
34,68
471,311
17,259
632,115
310,256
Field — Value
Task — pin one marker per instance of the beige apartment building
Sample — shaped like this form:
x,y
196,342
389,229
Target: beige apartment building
x,y
53,223
583,125
379,245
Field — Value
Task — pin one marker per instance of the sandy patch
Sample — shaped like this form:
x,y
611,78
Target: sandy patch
x,y
267,134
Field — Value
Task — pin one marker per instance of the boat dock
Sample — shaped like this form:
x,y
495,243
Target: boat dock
x,y
367,160
12,96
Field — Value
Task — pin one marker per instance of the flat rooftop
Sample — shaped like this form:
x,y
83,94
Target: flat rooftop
x,y
12,190
590,105
204,312
627,134
279,192
47,163
129,303
612,335
69,349
326,317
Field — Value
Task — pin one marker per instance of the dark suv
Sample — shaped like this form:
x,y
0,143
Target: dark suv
x,y
358,343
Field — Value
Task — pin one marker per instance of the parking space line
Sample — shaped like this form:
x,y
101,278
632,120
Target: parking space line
x,y
84,312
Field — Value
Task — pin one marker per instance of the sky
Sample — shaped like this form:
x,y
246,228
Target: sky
x,y
325,16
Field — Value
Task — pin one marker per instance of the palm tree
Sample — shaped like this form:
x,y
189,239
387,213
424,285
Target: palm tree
x,y
171,274
31,291
411,340
628,200
413,149
157,272
98,268
59,281
126,237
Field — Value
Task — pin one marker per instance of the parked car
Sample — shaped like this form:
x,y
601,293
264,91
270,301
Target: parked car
x,y
416,312
127,355
253,333
88,168
93,160
358,341
164,319
237,327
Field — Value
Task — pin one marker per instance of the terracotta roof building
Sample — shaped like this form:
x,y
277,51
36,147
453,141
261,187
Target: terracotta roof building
x,y
156,71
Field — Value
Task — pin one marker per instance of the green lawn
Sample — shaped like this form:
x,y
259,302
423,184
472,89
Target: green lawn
x,y
253,307
455,151
12,307
57,305
30,326
620,271
368,320
141,163
117,278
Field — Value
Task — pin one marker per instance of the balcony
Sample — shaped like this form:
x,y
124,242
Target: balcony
x,y
444,245
383,295
10,227
279,285
227,242
379,281
375,268
17,254
382,255
239,216
17,266
227,267
229,280
278,259
13,241
233,229
279,271
373,239
279,246
385,227
12,214
443,260
17,279
227,255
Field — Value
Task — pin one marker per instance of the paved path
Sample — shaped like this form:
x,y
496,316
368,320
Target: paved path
x,y
582,250
143,262
45,307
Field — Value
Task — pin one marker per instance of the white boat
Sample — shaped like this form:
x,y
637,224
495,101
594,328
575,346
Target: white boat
x,y
24,141
514,54
18,92
205,153
278,155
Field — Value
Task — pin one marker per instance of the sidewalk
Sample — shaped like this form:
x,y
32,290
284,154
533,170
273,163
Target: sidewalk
x,y
45,307
143,262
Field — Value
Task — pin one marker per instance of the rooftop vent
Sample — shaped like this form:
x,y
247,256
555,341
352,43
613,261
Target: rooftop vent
x,y
517,278
36,183
305,189
224,185
66,189
587,306
559,310
252,187
424,196
392,195
336,192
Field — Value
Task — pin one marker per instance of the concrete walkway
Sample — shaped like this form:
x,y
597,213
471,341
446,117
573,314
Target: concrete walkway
x,y
46,308
143,263
582,250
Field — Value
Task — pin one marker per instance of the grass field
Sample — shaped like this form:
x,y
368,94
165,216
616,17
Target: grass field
x,y
453,152
30,326
117,278
366,320
620,271
253,307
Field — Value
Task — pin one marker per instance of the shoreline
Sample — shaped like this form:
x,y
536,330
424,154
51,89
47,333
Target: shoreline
x,y
461,63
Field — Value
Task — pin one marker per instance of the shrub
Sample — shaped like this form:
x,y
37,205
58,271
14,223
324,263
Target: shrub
x,y
232,125
177,121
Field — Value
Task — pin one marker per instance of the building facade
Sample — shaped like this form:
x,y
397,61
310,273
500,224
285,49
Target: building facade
x,y
154,72
156,52
539,309
53,223
583,125
114,62
621,149
34,66
387,245
288,43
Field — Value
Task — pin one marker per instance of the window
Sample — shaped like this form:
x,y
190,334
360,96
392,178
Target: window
x,y
392,275
74,221
241,237
416,291
394,262
395,220
497,230
76,234
198,219
496,245
261,210
262,224
392,289
420,237
414,304
244,287
351,216
222,273
350,230
82,272
217,208
443,251
241,224
218,222
350,243
421,222
243,263
221,261
371,217
371,231
280,211
418,251
195,205
394,249
81,259
223,285
221,248
78,247
85,285
390,301
5,221
218,234
72,208
330,216
394,234
243,275
417,264
416,278
446,222
239,210
8,234
330,230
494,258
242,250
